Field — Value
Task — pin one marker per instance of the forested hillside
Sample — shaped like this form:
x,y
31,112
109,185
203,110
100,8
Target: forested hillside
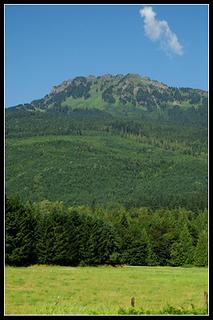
x,y
110,139
110,169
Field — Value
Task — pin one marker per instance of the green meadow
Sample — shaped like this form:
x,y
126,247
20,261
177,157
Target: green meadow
x,y
42,289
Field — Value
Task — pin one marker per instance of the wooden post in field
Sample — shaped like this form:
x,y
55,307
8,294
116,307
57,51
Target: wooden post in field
x,y
206,298
133,301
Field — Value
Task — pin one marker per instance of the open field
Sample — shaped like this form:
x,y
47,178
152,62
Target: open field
x,y
102,290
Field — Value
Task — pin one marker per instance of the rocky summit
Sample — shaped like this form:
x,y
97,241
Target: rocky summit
x,y
114,92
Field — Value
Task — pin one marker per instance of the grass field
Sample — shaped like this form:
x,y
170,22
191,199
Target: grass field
x,y
104,290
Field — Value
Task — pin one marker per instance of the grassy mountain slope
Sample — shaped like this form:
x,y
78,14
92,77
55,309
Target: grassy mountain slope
x,y
110,139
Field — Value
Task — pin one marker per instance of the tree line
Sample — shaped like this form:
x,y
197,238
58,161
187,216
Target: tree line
x,y
51,233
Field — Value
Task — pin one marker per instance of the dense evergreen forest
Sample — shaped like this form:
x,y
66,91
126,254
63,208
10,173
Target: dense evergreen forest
x,y
109,170
88,156
51,233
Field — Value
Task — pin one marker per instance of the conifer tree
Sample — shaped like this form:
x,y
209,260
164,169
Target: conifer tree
x,y
20,227
140,250
182,250
201,250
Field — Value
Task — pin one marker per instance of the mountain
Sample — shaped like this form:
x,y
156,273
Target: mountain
x,y
117,91
110,139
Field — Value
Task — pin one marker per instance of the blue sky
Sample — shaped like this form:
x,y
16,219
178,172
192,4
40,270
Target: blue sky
x,y
46,44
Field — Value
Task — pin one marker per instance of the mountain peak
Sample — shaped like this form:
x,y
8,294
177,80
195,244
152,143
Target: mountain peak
x,y
117,92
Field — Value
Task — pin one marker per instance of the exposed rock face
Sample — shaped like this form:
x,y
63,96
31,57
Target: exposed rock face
x,y
61,87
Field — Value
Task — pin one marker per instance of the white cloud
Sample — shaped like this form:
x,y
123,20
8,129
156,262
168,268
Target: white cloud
x,y
159,30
